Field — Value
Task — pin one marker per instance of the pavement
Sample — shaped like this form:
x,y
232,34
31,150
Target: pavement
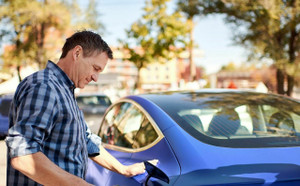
x,y
3,151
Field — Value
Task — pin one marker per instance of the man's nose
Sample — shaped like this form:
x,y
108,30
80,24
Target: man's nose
x,y
95,77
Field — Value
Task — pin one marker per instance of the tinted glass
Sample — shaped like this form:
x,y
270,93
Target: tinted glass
x,y
236,119
93,108
93,100
126,126
5,106
146,135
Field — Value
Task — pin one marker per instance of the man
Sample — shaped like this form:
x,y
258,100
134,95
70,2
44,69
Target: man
x,y
48,141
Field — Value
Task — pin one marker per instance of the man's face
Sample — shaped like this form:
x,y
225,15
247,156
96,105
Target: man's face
x,y
88,68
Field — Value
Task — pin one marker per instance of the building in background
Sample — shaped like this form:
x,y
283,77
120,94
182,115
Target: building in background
x,y
262,80
119,76
158,76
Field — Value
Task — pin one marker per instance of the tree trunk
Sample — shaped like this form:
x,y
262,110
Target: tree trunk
x,y
138,83
292,58
290,85
191,47
40,36
19,73
19,64
280,81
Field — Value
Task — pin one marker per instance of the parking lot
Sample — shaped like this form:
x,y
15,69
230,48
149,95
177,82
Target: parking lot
x,y
2,163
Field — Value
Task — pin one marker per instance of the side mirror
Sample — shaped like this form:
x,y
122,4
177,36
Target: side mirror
x,y
155,172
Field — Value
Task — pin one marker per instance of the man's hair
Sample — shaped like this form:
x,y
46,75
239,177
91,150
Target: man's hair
x,y
89,41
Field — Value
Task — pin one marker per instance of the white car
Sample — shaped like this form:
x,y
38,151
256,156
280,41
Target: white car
x,y
93,107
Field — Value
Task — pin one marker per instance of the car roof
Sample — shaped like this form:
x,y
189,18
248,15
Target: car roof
x,y
6,96
173,95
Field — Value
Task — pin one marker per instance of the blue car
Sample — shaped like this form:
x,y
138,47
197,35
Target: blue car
x,y
206,137
5,101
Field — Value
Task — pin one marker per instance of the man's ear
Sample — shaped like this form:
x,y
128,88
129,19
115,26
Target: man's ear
x,y
77,52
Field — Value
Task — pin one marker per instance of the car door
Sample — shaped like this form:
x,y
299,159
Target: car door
x,y
131,136
145,138
112,134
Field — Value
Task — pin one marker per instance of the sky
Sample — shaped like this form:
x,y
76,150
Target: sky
x,y
211,34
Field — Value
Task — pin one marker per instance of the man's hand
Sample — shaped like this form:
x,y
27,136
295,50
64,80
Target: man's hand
x,y
106,160
137,168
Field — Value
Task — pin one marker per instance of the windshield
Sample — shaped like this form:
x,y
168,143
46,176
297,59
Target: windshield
x,y
237,119
93,101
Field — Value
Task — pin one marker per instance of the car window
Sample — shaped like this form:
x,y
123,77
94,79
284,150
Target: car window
x,y
280,122
145,136
93,100
5,106
236,119
120,110
126,126
245,118
240,121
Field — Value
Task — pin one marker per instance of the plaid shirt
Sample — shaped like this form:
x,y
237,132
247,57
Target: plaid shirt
x,y
45,117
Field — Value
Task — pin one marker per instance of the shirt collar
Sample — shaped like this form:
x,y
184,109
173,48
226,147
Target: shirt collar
x,y
60,73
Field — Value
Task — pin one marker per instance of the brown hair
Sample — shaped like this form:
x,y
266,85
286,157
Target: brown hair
x,y
89,41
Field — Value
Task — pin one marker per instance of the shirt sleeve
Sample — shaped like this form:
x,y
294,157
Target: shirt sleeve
x,y
93,143
32,113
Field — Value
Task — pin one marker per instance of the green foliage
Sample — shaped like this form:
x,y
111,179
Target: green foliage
x,y
34,29
190,8
269,28
264,26
30,21
229,67
88,17
157,36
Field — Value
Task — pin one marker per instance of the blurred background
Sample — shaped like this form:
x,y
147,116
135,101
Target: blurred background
x,y
159,45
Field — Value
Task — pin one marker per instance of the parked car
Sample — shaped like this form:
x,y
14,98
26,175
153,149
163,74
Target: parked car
x,y
93,107
207,137
5,102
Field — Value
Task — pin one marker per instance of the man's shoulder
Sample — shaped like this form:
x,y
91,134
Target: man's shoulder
x,y
40,76
38,80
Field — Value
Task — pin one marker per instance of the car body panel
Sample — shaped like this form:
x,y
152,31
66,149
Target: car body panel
x,y
223,165
190,161
103,175
256,159
167,162
5,102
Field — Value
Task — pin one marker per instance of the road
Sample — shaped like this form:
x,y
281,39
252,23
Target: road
x,y
2,163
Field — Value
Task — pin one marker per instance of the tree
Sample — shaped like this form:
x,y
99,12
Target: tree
x,y
88,17
190,9
269,28
229,67
30,21
34,27
156,36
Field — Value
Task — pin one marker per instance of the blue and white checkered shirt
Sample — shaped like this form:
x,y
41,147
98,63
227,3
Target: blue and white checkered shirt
x,y
45,117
